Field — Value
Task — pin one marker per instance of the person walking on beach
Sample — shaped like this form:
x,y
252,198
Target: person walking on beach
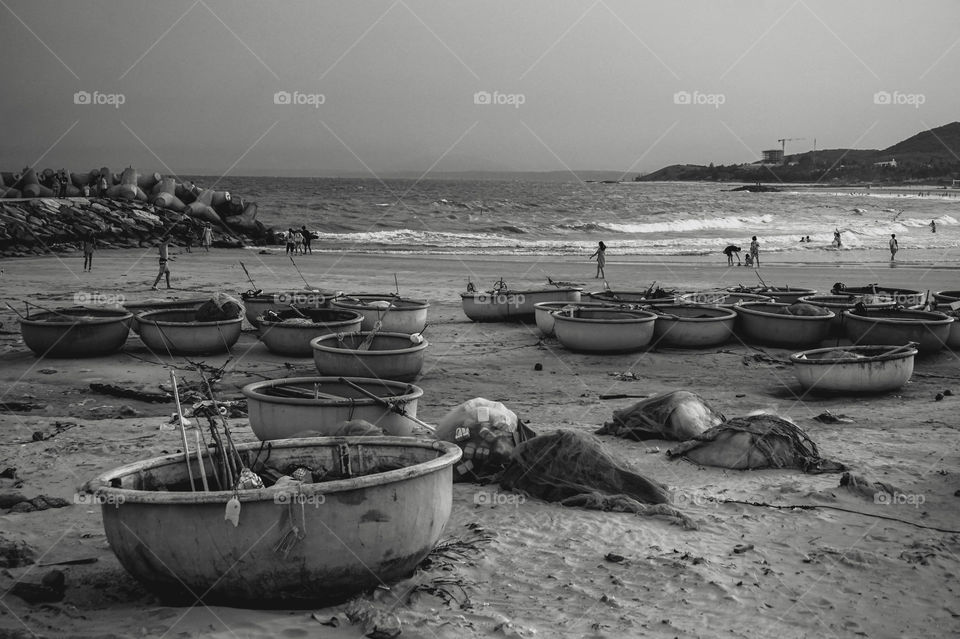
x,y
206,237
601,255
89,243
836,238
164,269
933,226
730,251
306,239
894,247
755,252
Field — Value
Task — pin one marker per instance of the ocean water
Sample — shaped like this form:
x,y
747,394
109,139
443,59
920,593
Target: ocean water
x,y
563,218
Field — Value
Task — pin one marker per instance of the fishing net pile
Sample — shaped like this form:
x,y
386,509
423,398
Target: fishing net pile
x,y
754,442
487,432
575,469
803,309
219,308
676,415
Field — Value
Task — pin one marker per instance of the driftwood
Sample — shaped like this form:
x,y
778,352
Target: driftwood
x,y
131,393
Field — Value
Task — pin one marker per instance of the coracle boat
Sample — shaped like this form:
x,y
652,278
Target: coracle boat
x,y
769,323
872,293
543,313
722,298
177,332
602,330
395,314
930,330
396,356
837,304
854,369
377,512
256,303
289,332
692,326
780,294
651,296
507,305
283,408
76,332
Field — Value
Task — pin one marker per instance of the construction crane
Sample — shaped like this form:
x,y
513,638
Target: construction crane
x,y
783,146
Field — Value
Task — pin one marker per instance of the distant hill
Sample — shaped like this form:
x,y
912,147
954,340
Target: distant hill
x,y
929,157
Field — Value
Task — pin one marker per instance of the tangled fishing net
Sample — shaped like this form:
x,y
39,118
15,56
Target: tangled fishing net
x,y
574,469
677,415
219,308
753,442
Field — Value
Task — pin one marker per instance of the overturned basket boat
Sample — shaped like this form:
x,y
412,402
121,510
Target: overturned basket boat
x,y
282,408
854,369
303,545
930,330
76,332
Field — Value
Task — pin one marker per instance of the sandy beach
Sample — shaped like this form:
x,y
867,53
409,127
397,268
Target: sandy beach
x,y
846,567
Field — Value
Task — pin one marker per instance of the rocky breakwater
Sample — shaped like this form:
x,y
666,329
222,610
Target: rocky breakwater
x,y
44,225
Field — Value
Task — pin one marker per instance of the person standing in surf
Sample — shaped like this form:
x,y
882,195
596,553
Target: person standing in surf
x,y
894,245
601,256
755,251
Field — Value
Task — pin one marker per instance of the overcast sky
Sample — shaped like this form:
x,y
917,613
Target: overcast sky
x,y
331,88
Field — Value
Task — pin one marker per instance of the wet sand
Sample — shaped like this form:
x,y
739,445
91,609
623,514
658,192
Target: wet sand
x,y
880,571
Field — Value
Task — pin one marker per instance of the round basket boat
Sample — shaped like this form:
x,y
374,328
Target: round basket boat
x,y
600,330
930,330
395,314
377,513
390,356
837,304
256,304
692,326
722,298
854,369
293,339
283,408
780,294
765,323
543,313
508,305
176,332
946,297
76,332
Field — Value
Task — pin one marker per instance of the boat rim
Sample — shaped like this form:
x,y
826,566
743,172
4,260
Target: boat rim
x,y
746,307
100,485
902,352
355,300
635,317
111,315
726,313
935,318
505,292
143,318
252,391
316,345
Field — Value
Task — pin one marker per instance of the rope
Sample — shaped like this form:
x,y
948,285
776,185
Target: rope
x,y
841,509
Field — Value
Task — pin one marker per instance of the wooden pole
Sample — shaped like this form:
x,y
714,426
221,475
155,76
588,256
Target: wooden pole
x,y
183,430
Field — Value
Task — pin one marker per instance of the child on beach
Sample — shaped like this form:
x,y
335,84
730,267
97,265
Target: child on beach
x,y
894,246
601,256
755,251
164,269
729,252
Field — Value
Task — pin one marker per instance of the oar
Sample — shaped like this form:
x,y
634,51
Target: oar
x,y
309,286
183,430
385,403
249,279
897,349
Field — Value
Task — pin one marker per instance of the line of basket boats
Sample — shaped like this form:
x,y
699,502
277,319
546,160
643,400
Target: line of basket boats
x,y
391,496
